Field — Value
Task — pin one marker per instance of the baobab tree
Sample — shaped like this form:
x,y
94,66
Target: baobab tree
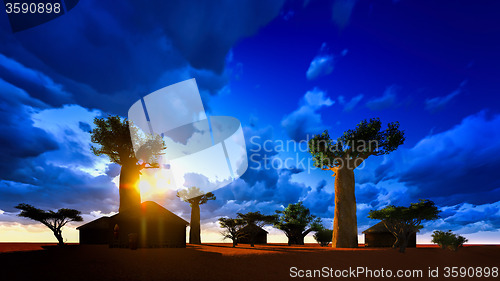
x,y
195,198
114,140
296,221
342,157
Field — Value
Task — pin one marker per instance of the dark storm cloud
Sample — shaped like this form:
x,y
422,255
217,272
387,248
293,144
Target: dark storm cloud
x,y
450,167
108,55
51,187
39,85
103,55
43,165
209,28
458,161
19,139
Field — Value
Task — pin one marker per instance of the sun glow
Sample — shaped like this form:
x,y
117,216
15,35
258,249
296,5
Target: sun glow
x,y
155,183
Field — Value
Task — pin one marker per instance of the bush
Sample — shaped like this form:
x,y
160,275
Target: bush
x,y
323,237
448,240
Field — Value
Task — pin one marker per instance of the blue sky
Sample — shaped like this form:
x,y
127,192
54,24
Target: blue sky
x,y
286,70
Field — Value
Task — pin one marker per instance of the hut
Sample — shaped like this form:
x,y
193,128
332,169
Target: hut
x,y
257,232
150,225
379,236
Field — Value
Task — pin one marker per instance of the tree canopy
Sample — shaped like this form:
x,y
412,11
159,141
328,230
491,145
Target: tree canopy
x,y
404,221
194,196
355,146
113,138
55,221
232,229
254,221
296,221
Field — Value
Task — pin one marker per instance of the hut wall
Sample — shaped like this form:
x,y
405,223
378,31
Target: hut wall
x,y
260,238
386,239
93,236
151,233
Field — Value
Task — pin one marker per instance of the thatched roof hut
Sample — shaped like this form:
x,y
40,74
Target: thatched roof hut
x,y
150,225
379,236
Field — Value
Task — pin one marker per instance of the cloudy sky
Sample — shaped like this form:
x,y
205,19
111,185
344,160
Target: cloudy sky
x,y
287,70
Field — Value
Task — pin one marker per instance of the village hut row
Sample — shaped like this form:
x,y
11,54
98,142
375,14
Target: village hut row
x,y
151,225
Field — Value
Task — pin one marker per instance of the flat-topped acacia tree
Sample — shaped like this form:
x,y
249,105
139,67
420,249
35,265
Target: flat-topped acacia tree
x,y
342,157
55,221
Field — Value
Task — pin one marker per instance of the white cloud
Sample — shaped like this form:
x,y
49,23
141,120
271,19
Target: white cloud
x,y
305,120
317,98
320,66
323,63
387,100
437,103
351,104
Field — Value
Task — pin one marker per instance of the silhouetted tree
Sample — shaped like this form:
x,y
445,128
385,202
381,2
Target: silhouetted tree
x,y
232,229
253,222
342,157
195,198
323,236
53,220
113,136
296,221
402,222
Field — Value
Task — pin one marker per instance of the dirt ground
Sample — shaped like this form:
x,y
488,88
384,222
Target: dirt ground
x,y
25,261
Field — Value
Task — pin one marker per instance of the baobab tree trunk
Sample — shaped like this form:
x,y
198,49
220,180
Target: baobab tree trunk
x,y
130,196
345,227
194,231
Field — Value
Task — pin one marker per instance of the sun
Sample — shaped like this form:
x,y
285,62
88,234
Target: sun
x,y
154,183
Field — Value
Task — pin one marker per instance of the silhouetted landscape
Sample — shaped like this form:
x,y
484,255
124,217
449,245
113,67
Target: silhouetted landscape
x,y
223,262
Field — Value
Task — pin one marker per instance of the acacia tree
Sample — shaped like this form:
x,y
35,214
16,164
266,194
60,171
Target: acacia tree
x,y
296,221
53,220
342,157
253,222
232,229
114,140
402,222
195,198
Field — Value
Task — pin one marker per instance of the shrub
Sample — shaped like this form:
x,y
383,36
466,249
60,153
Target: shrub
x,y
323,236
448,240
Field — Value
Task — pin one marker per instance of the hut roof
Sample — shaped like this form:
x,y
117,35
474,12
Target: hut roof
x,y
148,209
378,228
253,227
98,223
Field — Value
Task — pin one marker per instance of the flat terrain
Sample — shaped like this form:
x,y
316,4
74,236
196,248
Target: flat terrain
x,y
222,262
